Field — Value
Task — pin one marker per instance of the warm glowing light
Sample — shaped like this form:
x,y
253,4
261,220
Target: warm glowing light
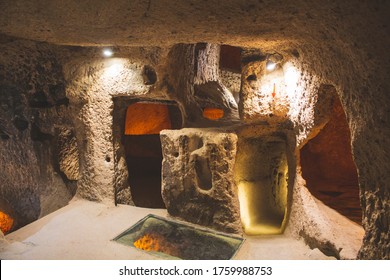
x,y
213,113
294,90
147,242
108,52
155,242
270,65
273,93
291,77
147,118
6,222
244,206
113,70
273,60
257,219
262,185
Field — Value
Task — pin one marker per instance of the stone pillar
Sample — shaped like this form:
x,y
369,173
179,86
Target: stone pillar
x,y
92,86
197,177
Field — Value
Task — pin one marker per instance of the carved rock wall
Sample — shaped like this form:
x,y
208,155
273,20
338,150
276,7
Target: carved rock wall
x,y
342,43
329,169
197,177
33,112
93,84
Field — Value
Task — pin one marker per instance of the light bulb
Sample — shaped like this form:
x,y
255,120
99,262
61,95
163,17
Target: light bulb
x,y
270,65
107,52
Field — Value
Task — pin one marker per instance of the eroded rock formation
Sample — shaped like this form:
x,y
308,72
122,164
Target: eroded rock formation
x,y
33,111
46,88
198,181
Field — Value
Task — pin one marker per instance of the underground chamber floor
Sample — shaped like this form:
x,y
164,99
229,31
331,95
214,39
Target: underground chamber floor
x,y
84,230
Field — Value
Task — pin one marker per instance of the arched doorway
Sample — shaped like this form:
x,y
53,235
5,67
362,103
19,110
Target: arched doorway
x,y
328,166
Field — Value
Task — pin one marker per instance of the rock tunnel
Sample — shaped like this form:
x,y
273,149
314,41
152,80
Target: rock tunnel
x,y
328,166
262,181
229,117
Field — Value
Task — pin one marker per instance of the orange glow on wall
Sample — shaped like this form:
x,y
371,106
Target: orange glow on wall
x,y
6,222
147,118
213,113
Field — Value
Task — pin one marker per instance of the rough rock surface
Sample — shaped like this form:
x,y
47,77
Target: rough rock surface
x,y
328,167
3,242
197,177
98,100
263,93
233,82
339,43
322,227
33,110
68,154
377,234
92,87
194,81
264,174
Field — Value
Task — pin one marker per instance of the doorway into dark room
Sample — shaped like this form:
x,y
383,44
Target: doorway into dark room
x,y
141,141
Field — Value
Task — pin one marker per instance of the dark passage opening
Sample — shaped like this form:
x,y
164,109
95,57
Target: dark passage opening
x,y
141,141
230,58
329,169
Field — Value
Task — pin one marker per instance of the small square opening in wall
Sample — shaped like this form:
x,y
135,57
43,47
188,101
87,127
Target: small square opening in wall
x,y
230,58
174,240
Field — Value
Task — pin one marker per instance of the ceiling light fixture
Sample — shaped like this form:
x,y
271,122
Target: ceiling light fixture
x,y
273,60
270,65
107,52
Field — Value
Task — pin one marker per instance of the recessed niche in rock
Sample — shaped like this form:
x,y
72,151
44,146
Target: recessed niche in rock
x,y
261,175
149,75
7,217
141,142
203,173
230,58
329,169
213,113
169,239
6,222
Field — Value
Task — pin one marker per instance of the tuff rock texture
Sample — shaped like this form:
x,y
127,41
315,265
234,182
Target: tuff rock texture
x,y
328,167
68,154
263,94
99,100
197,177
92,85
264,174
233,82
33,111
338,43
194,79
322,227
